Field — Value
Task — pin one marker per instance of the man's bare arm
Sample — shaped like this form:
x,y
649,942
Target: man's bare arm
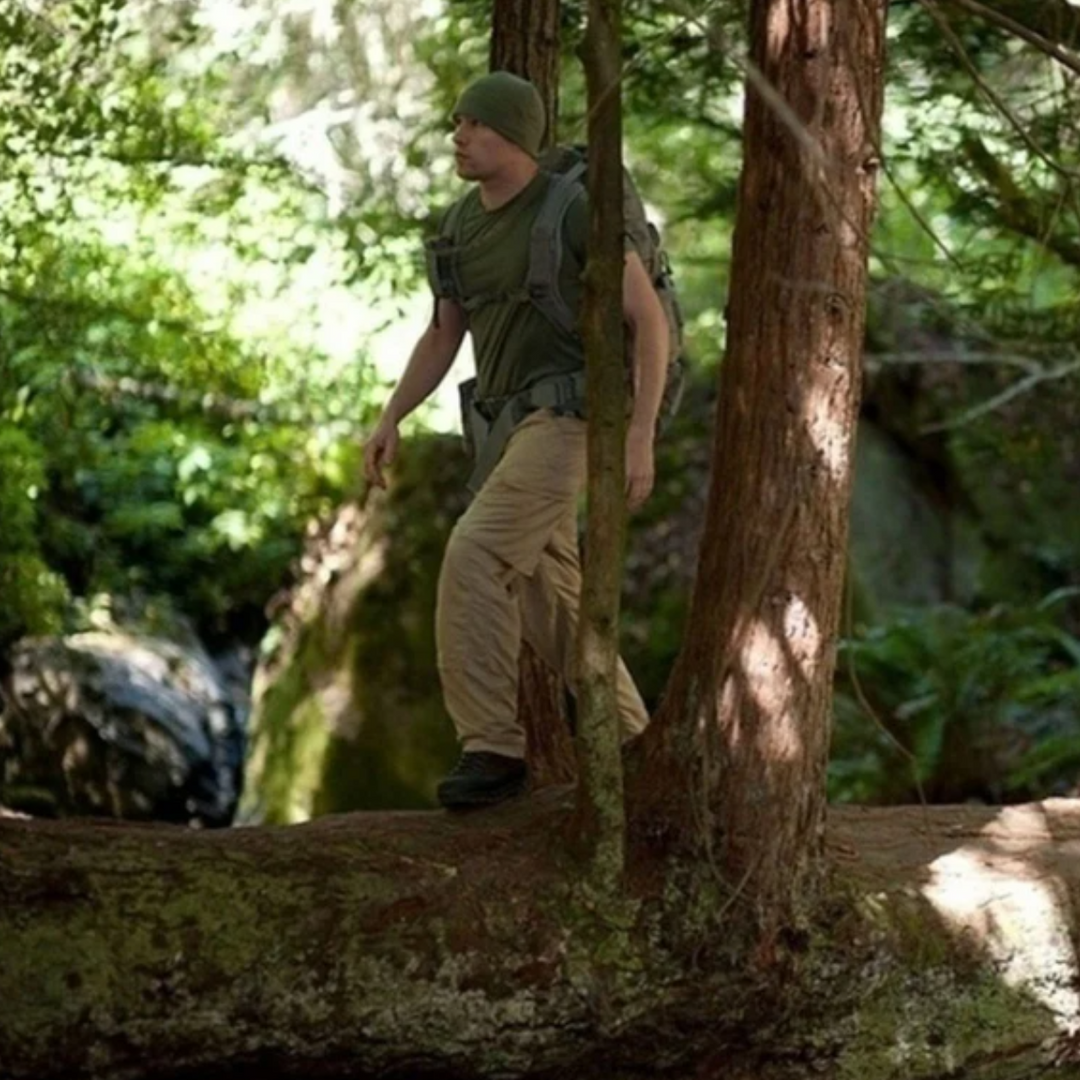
x,y
431,358
650,342
648,326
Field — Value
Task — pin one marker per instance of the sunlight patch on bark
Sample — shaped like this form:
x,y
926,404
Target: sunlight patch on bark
x,y
778,28
766,669
803,636
995,892
828,430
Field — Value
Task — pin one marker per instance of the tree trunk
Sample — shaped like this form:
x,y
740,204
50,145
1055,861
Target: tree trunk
x,y
746,720
525,42
428,946
602,813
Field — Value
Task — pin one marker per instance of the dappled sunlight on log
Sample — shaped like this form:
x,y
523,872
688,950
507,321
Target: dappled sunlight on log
x,y
1003,884
1006,894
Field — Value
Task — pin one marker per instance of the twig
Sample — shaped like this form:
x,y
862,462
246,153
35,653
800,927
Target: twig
x,y
1017,388
755,78
1025,363
228,409
912,209
871,712
992,95
1032,37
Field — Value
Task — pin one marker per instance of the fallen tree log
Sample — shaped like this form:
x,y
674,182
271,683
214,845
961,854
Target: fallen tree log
x,y
426,945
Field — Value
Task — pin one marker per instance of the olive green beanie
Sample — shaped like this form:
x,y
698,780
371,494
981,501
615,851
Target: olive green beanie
x,y
509,105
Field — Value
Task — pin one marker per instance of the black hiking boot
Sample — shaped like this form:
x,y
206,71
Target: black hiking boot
x,y
482,778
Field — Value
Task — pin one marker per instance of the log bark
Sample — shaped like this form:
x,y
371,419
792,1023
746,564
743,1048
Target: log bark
x,y
746,720
425,945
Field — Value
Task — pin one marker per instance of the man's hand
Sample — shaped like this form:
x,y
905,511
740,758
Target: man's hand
x,y
380,451
640,468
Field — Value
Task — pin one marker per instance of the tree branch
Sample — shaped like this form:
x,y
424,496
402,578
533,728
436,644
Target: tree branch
x,y
1008,17
1022,386
1025,363
991,95
1016,208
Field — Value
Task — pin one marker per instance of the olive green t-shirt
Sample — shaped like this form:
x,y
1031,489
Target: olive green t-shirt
x,y
514,344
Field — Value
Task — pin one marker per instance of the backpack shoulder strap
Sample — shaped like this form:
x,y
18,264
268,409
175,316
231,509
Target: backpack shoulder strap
x,y
546,248
441,255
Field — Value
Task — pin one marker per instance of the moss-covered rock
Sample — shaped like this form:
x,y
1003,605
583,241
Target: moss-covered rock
x,y
348,712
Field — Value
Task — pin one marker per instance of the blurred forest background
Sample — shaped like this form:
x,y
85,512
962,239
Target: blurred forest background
x,y
211,215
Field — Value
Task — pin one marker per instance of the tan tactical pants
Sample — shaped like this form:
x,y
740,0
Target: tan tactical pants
x,y
511,571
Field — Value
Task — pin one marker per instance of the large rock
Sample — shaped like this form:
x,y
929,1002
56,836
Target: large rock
x,y
118,724
347,709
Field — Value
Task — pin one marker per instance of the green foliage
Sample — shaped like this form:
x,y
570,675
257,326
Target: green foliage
x,y
22,476
32,597
982,138
35,598
173,406
959,705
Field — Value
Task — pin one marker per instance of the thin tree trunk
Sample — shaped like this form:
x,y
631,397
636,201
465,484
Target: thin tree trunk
x,y
600,801
525,42
747,716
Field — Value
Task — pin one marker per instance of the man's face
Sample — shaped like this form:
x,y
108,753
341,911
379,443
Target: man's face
x,y
479,151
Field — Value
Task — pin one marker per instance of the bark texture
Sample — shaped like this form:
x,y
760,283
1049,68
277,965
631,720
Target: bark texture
x,y
600,797
421,945
747,715
525,42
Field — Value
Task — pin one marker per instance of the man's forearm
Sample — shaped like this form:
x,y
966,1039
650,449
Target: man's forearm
x,y
427,367
648,323
649,360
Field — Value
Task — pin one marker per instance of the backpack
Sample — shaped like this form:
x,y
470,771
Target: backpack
x,y
567,164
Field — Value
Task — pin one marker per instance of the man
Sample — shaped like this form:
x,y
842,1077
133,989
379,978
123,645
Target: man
x,y
511,568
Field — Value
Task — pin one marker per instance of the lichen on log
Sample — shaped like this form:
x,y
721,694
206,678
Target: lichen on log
x,y
422,944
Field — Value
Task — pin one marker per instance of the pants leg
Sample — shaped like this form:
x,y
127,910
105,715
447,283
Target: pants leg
x,y
550,602
514,551
496,543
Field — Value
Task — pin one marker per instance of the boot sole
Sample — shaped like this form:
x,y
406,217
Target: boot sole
x,y
468,800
